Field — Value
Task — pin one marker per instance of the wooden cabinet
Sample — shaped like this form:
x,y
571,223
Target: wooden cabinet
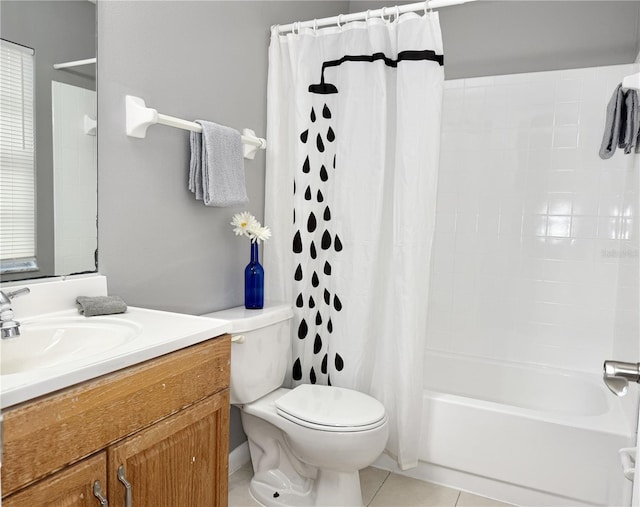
x,y
71,487
186,441
165,421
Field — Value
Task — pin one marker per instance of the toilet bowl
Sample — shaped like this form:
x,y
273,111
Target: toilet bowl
x,y
307,444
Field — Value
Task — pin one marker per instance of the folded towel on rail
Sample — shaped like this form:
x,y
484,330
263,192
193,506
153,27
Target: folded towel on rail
x,y
216,170
90,306
613,122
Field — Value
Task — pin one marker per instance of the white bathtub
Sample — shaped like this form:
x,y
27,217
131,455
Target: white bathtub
x,y
524,435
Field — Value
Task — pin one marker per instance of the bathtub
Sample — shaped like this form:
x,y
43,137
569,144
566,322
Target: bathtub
x,y
522,434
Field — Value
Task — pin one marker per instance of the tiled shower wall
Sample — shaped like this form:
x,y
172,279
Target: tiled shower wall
x,y
536,251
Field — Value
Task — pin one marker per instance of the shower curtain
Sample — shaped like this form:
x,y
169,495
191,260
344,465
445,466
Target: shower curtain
x,y
354,133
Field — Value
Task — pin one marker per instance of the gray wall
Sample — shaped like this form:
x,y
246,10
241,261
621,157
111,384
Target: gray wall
x,y
58,31
507,37
158,246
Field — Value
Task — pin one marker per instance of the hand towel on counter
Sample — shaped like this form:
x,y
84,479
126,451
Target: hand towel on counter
x,y
100,305
216,170
613,121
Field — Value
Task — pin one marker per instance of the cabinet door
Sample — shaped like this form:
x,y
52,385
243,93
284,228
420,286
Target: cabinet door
x,y
71,487
179,461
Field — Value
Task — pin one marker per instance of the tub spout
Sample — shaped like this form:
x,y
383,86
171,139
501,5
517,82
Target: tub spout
x,y
616,376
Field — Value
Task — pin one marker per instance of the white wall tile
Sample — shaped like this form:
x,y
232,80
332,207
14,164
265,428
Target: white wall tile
x,y
567,114
536,252
564,159
565,136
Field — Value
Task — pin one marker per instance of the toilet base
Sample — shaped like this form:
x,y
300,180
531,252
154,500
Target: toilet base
x,y
338,488
272,488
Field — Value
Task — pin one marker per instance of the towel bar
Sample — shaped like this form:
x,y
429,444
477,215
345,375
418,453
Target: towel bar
x,y
140,117
75,63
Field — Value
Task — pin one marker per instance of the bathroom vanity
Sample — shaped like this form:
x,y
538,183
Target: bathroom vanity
x,y
156,431
130,409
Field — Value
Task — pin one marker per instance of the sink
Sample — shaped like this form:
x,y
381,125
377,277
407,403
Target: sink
x,y
47,342
59,348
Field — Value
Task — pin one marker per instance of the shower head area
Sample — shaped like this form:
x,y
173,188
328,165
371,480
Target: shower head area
x,y
323,88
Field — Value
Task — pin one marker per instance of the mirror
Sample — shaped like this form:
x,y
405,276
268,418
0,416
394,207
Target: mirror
x,y
51,213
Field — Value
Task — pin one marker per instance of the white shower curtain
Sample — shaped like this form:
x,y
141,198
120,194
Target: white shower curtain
x,y
354,134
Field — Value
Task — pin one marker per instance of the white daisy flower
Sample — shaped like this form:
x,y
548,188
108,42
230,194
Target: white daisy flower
x,y
260,233
243,223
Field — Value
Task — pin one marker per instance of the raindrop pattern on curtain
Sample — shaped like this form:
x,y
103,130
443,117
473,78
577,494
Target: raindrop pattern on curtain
x,y
314,243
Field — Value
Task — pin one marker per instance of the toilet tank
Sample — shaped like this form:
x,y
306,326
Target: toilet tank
x,y
259,362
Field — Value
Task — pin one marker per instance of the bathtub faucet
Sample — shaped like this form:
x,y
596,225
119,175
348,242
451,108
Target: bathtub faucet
x,y
616,376
9,328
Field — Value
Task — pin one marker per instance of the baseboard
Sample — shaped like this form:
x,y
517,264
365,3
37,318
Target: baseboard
x,y
239,457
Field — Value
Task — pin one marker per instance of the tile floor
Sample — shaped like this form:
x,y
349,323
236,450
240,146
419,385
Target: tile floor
x,y
379,489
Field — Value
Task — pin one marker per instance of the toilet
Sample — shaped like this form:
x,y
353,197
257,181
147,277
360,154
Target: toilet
x,y
307,444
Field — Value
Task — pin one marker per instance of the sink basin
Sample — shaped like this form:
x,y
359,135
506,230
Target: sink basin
x,y
47,342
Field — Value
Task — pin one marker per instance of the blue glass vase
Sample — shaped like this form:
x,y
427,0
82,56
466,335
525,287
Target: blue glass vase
x,y
254,280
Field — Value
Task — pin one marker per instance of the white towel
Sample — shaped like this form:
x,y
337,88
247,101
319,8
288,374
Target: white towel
x,y
216,169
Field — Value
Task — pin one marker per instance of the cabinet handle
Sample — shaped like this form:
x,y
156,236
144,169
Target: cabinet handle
x,y
97,492
128,502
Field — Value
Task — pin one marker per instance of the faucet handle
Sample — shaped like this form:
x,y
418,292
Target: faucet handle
x,y
19,292
616,376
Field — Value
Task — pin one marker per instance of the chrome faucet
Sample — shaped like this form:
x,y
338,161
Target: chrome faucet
x,y
9,328
616,376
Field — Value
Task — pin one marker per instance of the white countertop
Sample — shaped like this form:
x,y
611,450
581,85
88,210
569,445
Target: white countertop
x,y
161,333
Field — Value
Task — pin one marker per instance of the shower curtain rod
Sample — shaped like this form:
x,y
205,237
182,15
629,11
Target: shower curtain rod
x,y
358,16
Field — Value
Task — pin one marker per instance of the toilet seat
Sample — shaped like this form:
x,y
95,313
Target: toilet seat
x,y
330,408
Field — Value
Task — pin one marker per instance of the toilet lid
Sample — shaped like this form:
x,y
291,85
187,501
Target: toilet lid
x,y
331,408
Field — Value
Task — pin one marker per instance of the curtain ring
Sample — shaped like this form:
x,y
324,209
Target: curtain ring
x,y
315,26
339,22
397,13
296,26
366,16
383,14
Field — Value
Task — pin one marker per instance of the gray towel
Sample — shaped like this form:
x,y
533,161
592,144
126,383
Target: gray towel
x,y
100,305
195,165
630,122
216,170
634,103
611,136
